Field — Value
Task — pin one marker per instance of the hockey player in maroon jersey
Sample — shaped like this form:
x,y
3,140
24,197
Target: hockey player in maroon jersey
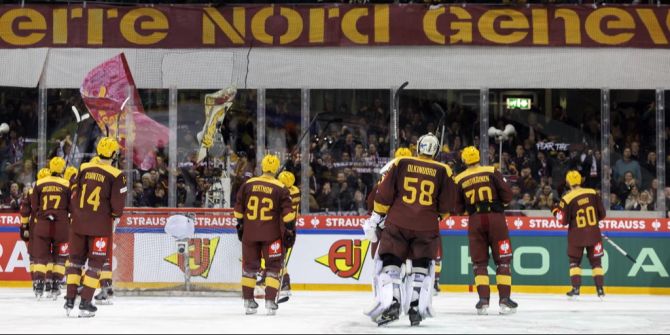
x,y
483,193
412,198
581,210
266,227
28,222
98,199
49,202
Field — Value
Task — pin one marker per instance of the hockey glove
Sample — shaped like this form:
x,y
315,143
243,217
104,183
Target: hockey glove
x,y
25,233
289,238
240,229
371,225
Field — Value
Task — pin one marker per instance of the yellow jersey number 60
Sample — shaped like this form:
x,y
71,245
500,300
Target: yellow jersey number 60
x,y
262,207
424,191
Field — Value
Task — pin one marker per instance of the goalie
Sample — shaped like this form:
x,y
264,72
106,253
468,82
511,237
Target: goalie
x,y
413,196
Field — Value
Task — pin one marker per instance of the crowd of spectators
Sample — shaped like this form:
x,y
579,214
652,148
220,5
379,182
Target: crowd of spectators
x,y
349,144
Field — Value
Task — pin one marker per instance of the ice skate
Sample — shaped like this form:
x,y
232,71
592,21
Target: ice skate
x,y
390,315
55,290
414,316
482,307
508,306
601,292
271,307
573,294
436,288
38,288
69,306
105,296
250,307
87,309
284,293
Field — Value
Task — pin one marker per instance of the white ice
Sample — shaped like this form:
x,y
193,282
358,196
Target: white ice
x,y
321,312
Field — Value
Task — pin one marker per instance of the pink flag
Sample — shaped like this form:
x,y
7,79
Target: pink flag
x,y
105,90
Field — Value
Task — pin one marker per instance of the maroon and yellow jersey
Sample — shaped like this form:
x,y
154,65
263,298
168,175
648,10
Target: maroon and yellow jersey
x,y
294,191
99,196
415,193
50,199
581,209
264,204
481,188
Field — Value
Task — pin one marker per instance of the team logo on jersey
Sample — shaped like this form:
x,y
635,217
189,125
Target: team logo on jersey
x,y
201,256
100,246
346,258
63,250
598,249
505,248
275,249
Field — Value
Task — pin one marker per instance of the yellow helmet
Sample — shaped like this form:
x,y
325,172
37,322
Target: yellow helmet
x,y
107,147
70,172
43,173
573,178
57,165
95,160
402,152
270,164
470,155
287,178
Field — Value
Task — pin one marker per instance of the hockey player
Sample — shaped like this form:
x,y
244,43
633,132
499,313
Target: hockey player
x,y
288,179
266,227
581,210
98,200
28,223
49,202
483,193
411,198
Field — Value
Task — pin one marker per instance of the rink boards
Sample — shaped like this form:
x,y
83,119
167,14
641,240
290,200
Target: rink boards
x,y
332,254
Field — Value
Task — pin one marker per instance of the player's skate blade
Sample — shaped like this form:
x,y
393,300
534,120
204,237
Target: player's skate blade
x,y
482,307
87,310
250,307
601,292
573,294
69,306
271,307
508,306
390,315
104,298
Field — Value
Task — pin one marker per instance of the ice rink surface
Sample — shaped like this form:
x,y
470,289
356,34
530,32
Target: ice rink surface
x,y
341,312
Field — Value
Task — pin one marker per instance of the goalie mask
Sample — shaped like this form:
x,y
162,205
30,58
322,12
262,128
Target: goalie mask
x,y
428,145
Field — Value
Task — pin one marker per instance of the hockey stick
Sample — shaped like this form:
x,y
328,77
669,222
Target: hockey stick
x,y
442,123
282,272
396,107
80,118
297,146
618,248
118,129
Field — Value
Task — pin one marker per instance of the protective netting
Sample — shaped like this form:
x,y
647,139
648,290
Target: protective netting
x,y
148,260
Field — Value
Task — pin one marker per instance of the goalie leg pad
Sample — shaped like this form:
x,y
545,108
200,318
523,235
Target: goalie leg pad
x,y
388,289
422,278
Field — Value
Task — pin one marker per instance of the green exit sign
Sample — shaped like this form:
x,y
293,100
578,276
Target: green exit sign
x,y
519,103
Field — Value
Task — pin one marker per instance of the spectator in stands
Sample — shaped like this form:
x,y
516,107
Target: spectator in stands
x,y
645,201
648,170
626,163
27,175
521,158
542,166
139,199
14,198
526,181
344,194
635,151
615,203
560,168
545,198
590,168
633,200
182,191
526,201
326,198
624,187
